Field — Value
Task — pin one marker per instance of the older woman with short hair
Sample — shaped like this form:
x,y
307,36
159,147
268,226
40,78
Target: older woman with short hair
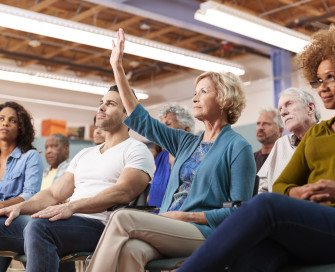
x,y
209,169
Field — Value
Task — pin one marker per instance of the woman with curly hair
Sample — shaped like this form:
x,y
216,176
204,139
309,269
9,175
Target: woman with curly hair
x,y
209,169
21,167
298,224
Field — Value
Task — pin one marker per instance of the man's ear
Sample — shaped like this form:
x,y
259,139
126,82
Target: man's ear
x,y
187,129
311,108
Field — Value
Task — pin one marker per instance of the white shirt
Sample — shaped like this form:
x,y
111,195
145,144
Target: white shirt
x,y
277,160
95,172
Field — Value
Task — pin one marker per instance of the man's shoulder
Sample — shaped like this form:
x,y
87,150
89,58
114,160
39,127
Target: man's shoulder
x,y
257,153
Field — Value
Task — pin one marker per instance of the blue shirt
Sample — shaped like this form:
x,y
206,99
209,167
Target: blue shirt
x,y
160,180
23,175
187,173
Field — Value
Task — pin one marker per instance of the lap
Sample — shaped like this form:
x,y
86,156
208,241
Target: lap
x,y
11,237
169,236
71,235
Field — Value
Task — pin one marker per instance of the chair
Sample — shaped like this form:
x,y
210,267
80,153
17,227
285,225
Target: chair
x,y
139,202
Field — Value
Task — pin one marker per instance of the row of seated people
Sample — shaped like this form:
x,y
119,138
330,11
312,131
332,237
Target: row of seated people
x,y
205,173
21,167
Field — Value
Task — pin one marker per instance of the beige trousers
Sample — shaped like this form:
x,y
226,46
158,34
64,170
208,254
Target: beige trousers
x,y
132,238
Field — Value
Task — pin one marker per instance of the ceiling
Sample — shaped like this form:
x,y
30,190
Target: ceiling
x,y
165,21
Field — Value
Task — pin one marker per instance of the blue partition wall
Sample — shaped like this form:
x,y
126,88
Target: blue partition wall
x,y
75,147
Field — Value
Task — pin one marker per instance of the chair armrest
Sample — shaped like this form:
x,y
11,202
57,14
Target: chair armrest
x,y
231,204
136,207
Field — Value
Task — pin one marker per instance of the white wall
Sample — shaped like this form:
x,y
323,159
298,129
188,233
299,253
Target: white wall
x,y
179,89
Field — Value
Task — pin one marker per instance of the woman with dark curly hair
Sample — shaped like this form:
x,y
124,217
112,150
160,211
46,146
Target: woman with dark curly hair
x,y
21,166
297,225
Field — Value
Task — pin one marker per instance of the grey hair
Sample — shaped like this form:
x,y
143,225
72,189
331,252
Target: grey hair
x,y
182,113
61,138
305,97
277,118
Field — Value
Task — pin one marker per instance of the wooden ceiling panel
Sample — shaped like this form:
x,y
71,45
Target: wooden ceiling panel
x,y
59,56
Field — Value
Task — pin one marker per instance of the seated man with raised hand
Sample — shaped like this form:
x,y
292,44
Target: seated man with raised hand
x,y
299,112
57,149
98,177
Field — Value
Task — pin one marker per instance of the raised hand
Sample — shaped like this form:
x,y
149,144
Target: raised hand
x,y
117,49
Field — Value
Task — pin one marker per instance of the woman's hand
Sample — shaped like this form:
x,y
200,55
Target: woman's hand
x,y
322,192
117,49
194,217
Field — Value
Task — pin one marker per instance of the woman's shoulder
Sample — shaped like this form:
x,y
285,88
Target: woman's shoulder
x,y
320,128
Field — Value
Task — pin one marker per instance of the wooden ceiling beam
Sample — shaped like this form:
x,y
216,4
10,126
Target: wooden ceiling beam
x,y
189,40
160,32
42,5
125,23
87,13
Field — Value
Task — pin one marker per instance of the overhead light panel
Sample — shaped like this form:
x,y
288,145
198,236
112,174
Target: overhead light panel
x,y
41,24
20,75
251,26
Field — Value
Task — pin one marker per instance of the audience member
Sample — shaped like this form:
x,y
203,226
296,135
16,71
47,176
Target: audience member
x,y
98,177
271,230
155,150
177,117
206,172
269,128
299,112
98,133
57,150
21,166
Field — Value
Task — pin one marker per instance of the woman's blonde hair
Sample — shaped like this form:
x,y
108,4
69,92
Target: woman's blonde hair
x,y
322,47
230,93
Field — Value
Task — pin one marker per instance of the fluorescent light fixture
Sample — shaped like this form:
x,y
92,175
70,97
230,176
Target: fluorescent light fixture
x,y
26,76
41,24
251,26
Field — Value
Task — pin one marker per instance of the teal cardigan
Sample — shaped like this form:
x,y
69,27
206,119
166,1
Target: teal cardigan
x,y
226,173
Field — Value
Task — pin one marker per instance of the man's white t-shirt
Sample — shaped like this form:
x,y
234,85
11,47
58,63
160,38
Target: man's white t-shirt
x,y
95,172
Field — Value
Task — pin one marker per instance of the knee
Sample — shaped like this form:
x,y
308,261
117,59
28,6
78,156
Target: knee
x,y
266,199
35,227
123,217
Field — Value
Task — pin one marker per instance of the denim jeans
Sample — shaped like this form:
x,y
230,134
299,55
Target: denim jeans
x,y
267,232
11,238
44,241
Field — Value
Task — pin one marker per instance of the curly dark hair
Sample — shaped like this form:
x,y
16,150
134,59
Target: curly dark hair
x,y
322,47
26,131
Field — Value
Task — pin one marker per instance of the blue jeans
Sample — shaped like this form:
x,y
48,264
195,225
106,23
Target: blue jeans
x,y
267,232
11,238
44,241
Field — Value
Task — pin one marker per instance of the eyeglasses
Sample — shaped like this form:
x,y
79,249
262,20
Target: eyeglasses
x,y
329,81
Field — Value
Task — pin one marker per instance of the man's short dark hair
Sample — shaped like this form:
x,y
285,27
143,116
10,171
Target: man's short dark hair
x,y
114,88
62,139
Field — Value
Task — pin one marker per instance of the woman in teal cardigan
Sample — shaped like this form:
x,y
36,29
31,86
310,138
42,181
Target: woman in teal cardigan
x,y
209,169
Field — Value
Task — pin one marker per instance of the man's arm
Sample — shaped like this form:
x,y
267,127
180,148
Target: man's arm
x,y
56,193
128,186
10,202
